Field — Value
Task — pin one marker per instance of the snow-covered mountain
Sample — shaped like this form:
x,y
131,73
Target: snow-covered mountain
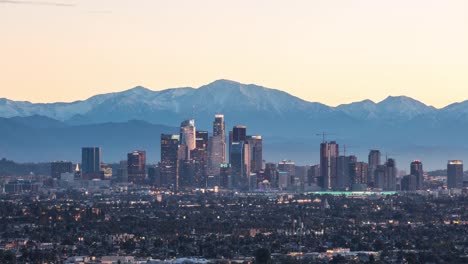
x,y
392,108
289,124
221,96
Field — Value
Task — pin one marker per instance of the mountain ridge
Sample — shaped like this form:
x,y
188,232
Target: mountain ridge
x,y
397,124
219,94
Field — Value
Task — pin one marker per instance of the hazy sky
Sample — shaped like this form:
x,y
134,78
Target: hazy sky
x,y
329,51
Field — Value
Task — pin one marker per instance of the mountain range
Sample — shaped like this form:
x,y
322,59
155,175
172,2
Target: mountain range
x,y
403,127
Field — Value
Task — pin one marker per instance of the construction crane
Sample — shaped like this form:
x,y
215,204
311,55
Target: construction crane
x,y
390,154
324,135
345,147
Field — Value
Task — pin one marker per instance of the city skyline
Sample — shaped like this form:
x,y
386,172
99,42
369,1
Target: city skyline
x,y
354,50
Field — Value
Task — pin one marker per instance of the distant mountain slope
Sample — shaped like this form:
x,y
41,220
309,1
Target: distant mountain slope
x,y
398,125
42,143
238,100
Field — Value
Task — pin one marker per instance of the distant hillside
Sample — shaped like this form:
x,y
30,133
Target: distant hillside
x,y
400,126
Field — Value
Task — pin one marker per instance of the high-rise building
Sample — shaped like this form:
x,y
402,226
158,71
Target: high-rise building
x,y
219,128
301,178
230,144
59,167
313,175
329,152
454,174
416,168
240,165
283,180
239,133
154,175
225,176
256,152
379,177
343,170
122,173
201,141
199,161
188,136
91,163
136,164
289,167
271,174
390,175
169,160
374,161
186,174
217,146
199,158
358,175
409,183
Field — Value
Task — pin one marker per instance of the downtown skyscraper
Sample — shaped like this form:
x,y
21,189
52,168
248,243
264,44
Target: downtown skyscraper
x,y
91,163
217,146
374,162
416,168
256,153
455,174
136,166
188,136
239,157
240,165
169,165
329,152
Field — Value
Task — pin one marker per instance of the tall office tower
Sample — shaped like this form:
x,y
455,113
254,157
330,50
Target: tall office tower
x,y
239,133
59,167
289,167
217,146
91,163
374,161
313,174
216,154
409,183
230,144
342,171
256,154
390,175
271,174
358,175
329,152
416,168
225,176
170,160
454,174
301,175
201,140
188,136
136,164
199,158
248,166
240,165
186,174
219,128
154,175
122,173
379,177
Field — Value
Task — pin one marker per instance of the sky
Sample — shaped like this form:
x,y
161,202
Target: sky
x,y
330,51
